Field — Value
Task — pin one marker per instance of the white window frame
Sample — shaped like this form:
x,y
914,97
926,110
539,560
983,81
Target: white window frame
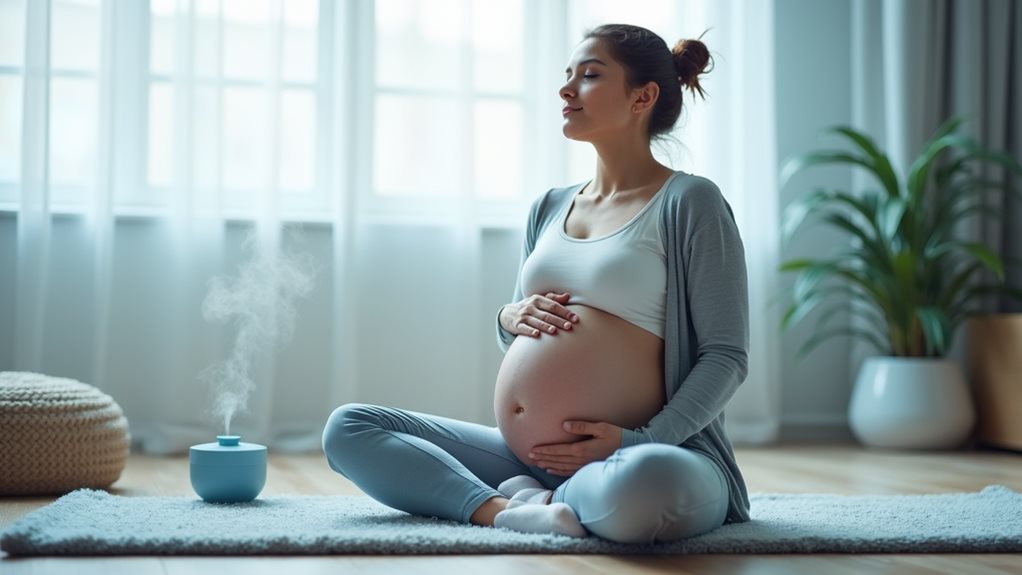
x,y
9,188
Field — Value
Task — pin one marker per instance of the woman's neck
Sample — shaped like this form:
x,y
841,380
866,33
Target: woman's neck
x,y
623,167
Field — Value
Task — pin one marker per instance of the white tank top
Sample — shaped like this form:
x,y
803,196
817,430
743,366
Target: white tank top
x,y
623,273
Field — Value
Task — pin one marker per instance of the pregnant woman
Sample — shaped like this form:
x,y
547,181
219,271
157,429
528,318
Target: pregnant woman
x,y
625,339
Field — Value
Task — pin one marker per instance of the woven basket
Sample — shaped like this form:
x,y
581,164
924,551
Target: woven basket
x,y
57,435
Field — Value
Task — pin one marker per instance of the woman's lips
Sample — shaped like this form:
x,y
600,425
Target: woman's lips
x,y
568,109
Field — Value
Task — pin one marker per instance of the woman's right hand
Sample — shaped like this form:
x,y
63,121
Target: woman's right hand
x,y
537,314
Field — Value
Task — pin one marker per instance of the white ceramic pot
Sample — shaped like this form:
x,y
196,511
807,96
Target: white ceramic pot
x,y
913,403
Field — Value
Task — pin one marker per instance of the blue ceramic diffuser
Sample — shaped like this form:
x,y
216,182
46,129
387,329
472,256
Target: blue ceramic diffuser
x,y
228,471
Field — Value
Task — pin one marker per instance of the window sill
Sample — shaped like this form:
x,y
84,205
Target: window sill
x,y
318,218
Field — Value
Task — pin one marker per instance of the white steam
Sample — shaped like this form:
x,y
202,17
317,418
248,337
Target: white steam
x,y
260,301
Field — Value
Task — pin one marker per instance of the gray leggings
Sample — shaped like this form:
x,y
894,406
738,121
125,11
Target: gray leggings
x,y
435,466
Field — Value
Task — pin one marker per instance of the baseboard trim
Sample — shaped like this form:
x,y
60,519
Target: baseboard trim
x,y
811,427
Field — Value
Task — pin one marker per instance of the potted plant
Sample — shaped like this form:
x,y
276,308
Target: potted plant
x,y
906,276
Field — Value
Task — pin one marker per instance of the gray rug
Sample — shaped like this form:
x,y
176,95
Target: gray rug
x,y
89,522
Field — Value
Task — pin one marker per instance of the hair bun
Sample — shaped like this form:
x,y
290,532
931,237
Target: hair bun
x,y
691,59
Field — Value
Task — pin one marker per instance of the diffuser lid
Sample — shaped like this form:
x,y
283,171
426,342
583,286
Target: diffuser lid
x,y
228,450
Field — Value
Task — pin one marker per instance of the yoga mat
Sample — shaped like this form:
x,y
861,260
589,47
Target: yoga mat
x,y
91,522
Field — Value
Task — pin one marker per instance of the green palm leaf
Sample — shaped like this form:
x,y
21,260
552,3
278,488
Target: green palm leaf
x,y
904,269
936,329
880,165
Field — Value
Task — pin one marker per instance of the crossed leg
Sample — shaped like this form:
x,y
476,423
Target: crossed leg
x,y
436,466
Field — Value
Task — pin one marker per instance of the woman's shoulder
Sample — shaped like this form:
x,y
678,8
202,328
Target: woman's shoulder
x,y
555,196
694,199
546,204
690,188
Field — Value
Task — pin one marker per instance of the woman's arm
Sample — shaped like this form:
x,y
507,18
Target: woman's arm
x,y
534,314
505,337
711,290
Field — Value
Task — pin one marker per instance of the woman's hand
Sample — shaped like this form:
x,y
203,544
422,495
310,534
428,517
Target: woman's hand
x,y
537,314
567,458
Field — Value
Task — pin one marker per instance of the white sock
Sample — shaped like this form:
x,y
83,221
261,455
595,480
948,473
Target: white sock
x,y
529,496
553,518
511,486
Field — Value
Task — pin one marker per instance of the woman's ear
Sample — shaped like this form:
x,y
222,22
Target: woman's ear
x,y
645,97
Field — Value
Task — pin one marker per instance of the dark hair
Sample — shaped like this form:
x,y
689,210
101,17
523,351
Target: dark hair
x,y
645,58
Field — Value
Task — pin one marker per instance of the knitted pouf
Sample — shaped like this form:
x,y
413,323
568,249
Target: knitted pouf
x,y
57,435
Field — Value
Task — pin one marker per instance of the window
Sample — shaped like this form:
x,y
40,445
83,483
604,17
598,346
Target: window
x,y
449,85
73,104
12,43
74,98
409,107
232,102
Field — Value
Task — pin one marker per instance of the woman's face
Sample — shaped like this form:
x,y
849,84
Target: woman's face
x,y
597,101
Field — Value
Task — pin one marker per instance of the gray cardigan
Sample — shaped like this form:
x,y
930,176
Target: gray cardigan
x,y
706,337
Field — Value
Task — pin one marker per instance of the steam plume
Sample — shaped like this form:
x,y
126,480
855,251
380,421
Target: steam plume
x,y
260,301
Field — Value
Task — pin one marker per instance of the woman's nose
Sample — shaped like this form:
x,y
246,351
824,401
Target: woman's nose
x,y
566,92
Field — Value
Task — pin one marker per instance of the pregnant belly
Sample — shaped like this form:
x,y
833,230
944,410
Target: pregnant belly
x,y
603,369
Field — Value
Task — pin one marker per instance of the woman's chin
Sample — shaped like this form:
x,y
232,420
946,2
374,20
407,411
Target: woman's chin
x,y
572,133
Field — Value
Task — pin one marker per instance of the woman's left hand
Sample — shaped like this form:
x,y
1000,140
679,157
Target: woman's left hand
x,y
567,458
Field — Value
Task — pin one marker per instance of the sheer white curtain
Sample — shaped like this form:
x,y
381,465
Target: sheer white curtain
x,y
739,150
395,144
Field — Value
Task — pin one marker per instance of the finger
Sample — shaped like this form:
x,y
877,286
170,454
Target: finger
x,y
563,316
534,317
553,314
524,328
554,449
534,326
543,326
556,303
562,299
559,321
554,460
558,313
581,427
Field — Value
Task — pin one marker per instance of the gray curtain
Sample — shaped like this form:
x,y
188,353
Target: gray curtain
x,y
983,78
917,63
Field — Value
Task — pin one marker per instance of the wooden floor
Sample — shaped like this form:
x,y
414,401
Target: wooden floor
x,y
807,468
